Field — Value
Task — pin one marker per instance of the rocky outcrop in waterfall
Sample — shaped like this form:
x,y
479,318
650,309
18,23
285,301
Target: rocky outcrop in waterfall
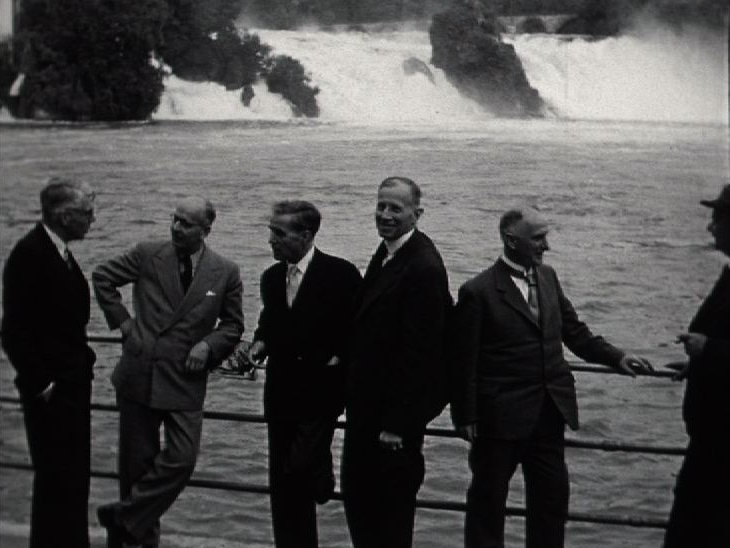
x,y
467,45
413,65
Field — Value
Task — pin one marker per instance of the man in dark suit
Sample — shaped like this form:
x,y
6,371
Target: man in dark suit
x,y
45,312
307,300
699,515
188,318
395,373
514,391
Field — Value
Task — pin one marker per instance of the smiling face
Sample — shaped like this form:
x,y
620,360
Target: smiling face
x,y
189,226
396,211
525,241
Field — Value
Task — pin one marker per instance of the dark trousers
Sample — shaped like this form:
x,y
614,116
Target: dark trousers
x,y
59,440
151,477
700,514
493,463
379,489
300,474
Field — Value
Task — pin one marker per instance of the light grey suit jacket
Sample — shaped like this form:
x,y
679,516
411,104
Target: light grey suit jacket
x,y
167,324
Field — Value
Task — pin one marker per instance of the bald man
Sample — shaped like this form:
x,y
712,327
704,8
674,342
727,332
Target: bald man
x,y
187,318
514,390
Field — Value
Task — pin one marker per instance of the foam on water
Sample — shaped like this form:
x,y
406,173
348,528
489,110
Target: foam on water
x,y
648,75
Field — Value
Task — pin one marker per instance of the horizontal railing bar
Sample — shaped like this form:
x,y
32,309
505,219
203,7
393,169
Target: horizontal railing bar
x,y
603,445
574,365
420,503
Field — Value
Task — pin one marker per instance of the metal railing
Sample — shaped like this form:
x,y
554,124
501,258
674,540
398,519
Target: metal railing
x,y
584,517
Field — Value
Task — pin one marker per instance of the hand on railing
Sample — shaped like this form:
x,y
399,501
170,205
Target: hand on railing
x,y
239,362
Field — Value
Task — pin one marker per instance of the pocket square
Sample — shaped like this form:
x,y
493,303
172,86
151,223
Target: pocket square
x,y
210,293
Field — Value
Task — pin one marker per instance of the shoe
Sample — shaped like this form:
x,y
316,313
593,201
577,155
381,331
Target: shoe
x,y
116,535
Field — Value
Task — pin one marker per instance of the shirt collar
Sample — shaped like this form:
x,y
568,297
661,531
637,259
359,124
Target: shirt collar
x,y
514,265
395,245
57,241
303,263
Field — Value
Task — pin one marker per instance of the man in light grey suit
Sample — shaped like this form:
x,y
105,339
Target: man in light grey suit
x,y
187,319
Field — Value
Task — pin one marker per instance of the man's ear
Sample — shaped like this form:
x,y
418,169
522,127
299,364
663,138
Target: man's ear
x,y
418,212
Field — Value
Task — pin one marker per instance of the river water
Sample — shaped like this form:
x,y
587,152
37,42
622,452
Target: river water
x,y
628,240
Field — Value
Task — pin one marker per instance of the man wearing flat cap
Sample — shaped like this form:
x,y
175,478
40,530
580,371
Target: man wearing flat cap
x,y
699,515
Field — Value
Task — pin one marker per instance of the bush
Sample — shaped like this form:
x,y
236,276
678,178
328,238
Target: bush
x,y
286,76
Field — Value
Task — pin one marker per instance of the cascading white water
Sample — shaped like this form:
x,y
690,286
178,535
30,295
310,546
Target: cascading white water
x,y
650,75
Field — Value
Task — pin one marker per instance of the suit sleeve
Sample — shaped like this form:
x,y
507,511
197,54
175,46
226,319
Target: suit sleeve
x,y
265,317
108,277
20,304
579,338
350,284
465,335
423,321
227,333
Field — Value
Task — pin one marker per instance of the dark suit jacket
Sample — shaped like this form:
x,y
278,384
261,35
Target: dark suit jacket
x,y
706,406
302,339
505,364
45,312
397,370
167,324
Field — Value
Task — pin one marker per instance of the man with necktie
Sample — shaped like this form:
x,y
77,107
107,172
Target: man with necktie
x,y
513,390
307,301
396,372
187,318
45,312
699,515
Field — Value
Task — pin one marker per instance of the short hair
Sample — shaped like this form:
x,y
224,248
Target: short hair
x,y
509,219
410,183
60,192
305,216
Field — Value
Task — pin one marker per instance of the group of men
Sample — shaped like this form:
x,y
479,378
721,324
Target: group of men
x,y
389,347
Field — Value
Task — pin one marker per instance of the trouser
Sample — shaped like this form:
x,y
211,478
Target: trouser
x,y
59,440
493,463
379,488
700,514
151,477
300,475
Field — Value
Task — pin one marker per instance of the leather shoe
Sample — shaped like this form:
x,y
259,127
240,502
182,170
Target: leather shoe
x,y
116,535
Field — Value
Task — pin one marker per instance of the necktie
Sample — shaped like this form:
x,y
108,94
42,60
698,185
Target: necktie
x,y
531,278
186,272
532,293
292,283
67,258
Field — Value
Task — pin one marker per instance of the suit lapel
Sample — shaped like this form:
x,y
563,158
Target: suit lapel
x,y
205,276
168,274
379,279
511,294
308,282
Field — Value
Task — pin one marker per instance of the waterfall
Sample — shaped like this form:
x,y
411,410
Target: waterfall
x,y
648,75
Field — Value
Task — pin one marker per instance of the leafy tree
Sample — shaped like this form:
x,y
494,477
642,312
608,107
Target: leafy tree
x,y
288,78
90,59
